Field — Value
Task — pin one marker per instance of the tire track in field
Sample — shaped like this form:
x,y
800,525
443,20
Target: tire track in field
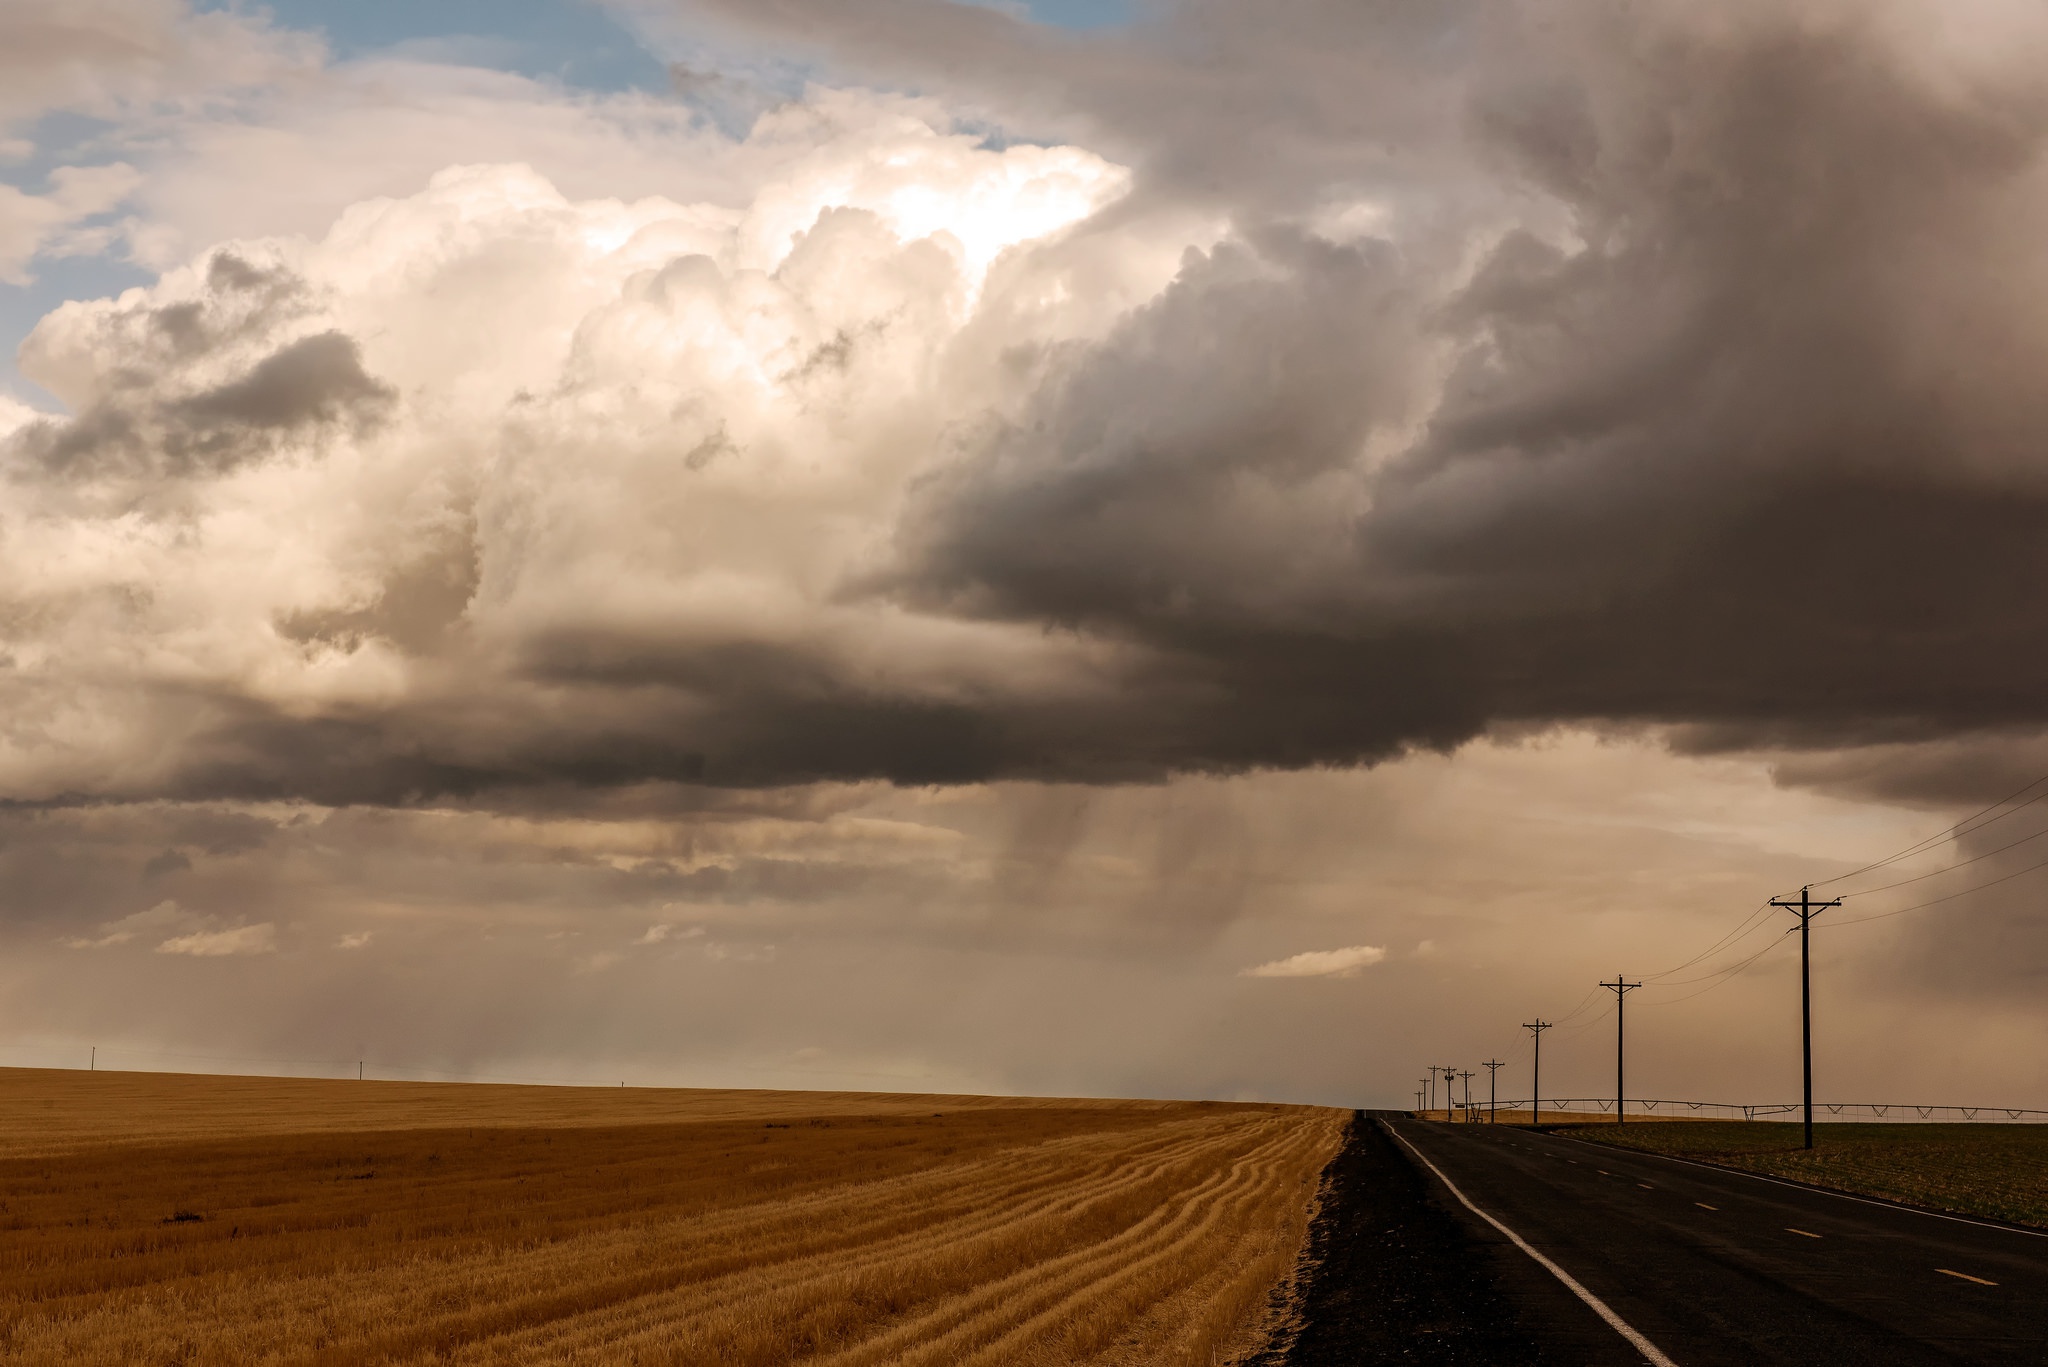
x,y
1114,1173
1199,1217
955,1329
416,1291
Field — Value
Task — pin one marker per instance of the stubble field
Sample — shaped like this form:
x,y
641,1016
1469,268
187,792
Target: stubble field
x,y
1998,1171
151,1219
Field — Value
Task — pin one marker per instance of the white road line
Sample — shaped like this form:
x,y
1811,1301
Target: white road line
x,y
1620,1326
1966,1277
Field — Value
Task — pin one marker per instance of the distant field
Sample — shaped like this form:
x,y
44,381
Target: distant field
x,y
1999,1171
189,1220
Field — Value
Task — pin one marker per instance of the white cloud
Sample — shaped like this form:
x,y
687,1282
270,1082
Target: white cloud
x,y
739,954
32,224
104,57
206,944
163,916
353,941
506,425
1320,963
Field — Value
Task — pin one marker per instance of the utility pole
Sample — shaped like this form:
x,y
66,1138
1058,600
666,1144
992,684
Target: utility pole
x,y
1621,989
1492,1090
1536,1029
1448,1073
1805,909
1467,1075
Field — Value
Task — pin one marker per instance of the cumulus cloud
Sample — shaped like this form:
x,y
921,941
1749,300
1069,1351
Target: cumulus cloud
x,y
578,490
1348,962
209,944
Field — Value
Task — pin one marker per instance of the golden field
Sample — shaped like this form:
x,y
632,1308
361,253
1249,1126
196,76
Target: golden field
x,y
166,1219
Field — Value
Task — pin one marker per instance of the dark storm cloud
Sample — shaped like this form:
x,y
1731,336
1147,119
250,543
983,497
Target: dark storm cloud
x,y
1760,453
165,413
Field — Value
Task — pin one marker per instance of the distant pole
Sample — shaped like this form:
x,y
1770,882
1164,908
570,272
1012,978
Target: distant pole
x,y
359,1070
1805,909
1492,1090
1449,1073
93,1064
1467,1075
1621,988
1536,1029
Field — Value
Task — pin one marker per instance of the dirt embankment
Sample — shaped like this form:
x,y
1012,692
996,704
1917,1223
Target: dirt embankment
x,y
1390,1276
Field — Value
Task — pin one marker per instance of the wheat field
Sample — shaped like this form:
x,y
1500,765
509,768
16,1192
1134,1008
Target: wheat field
x,y
195,1220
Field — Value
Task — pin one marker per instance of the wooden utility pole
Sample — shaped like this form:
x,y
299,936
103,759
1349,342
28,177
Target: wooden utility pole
x,y
1621,989
1492,1090
1805,909
1536,1029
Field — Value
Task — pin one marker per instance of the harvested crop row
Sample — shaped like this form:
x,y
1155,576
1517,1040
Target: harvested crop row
x,y
1148,1233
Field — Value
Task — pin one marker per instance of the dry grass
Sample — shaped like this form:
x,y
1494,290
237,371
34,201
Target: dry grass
x,y
2000,1171
203,1220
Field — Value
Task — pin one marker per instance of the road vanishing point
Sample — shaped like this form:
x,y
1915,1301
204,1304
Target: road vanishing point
x,y
1621,1257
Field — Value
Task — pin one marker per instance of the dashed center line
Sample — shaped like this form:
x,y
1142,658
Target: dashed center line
x,y
1807,1232
1704,1206
1646,1186
1965,1276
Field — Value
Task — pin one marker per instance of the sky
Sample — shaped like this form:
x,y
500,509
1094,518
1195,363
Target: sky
x,y
1169,548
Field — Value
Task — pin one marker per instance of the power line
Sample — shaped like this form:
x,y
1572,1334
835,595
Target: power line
x,y
1734,936
1963,827
1727,972
1960,864
1937,901
1726,975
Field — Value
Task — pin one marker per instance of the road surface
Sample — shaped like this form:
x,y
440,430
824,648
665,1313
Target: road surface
x,y
1713,1267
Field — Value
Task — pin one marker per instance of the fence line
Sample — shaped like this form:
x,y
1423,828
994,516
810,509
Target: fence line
x,y
1910,1112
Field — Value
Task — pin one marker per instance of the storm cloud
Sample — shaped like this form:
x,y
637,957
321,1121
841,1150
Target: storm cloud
x,y
1418,374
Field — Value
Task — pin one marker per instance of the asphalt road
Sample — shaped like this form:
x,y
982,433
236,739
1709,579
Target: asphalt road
x,y
1715,1267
